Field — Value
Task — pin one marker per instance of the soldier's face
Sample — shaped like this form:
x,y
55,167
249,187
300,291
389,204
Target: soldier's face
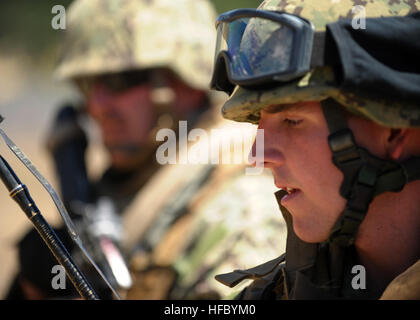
x,y
126,119
127,114
297,152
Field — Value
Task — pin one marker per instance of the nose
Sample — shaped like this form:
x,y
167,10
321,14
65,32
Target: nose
x,y
267,149
100,101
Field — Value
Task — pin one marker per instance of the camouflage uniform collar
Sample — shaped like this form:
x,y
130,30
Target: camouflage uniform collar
x,y
122,186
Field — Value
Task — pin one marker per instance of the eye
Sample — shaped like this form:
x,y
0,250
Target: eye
x,y
292,122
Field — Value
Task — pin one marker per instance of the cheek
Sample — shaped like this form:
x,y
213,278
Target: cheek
x,y
320,179
320,204
316,168
94,109
136,110
313,156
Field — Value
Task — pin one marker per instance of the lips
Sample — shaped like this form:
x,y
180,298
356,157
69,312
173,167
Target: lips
x,y
290,196
292,193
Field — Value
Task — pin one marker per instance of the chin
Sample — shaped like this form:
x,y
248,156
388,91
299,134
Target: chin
x,y
122,162
308,233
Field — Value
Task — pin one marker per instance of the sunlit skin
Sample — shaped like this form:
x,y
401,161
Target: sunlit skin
x,y
297,153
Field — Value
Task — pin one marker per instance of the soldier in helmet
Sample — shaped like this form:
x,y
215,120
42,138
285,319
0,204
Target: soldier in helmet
x,y
339,109
143,66
128,60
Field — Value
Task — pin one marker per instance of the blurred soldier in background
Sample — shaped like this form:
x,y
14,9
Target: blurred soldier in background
x,y
340,111
145,65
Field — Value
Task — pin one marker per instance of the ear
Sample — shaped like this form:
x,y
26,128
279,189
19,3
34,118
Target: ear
x,y
397,140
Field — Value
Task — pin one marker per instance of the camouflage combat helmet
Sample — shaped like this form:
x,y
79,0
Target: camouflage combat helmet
x,y
107,36
318,84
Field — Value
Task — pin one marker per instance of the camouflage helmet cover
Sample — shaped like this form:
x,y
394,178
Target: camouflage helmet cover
x,y
107,36
318,84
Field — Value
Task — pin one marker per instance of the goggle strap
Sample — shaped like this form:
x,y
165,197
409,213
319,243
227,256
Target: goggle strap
x,y
318,50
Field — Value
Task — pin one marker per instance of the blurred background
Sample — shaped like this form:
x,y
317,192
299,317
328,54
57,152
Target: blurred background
x,y
28,98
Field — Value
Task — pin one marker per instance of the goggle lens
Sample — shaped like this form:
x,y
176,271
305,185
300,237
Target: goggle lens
x,y
259,47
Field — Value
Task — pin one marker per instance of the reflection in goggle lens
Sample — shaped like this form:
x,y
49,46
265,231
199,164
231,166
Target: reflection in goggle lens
x,y
259,46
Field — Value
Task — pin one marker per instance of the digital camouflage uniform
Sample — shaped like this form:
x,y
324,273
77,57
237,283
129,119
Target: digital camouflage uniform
x,y
308,271
204,226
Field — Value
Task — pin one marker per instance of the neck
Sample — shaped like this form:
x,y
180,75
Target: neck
x,y
387,242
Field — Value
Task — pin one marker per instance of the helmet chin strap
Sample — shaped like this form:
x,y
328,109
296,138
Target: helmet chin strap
x,y
365,176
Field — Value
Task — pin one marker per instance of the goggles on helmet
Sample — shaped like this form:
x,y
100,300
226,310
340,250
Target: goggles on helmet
x,y
256,47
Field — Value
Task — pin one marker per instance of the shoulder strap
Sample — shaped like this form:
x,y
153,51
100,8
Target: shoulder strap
x,y
266,279
272,286
235,277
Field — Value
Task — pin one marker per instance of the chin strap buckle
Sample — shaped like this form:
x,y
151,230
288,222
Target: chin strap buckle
x,y
344,148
